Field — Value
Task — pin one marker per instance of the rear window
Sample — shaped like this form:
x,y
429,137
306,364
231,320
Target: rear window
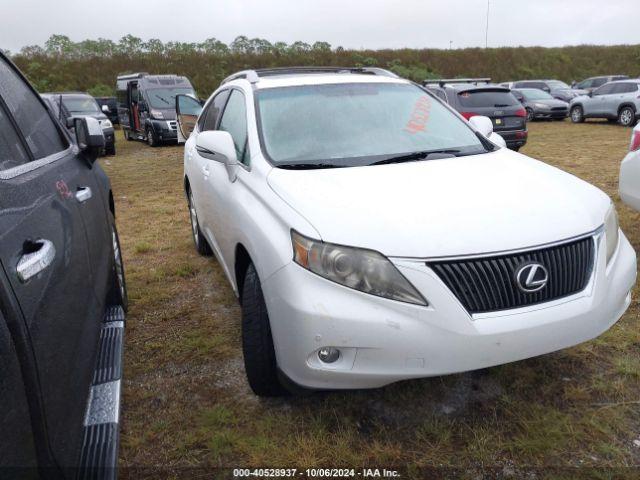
x,y
487,98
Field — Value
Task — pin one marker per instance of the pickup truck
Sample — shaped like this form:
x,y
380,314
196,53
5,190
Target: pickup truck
x,y
63,294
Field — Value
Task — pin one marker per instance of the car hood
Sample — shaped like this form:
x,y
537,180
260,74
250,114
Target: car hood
x,y
457,206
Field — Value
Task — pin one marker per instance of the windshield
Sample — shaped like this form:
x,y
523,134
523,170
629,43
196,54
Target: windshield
x,y
487,98
535,94
356,123
80,104
557,84
166,97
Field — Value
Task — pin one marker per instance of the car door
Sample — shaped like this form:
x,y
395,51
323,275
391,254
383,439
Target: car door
x,y
220,213
44,252
188,110
201,167
600,99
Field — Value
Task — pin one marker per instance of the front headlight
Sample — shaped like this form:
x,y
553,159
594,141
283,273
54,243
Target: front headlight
x,y
106,124
157,114
364,270
611,231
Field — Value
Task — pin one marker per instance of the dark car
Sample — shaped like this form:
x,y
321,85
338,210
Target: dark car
x,y
80,104
147,106
111,110
592,83
62,293
556,88
541,105
473,97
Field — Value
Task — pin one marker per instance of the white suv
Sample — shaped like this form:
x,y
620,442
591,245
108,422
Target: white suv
x,y
373,235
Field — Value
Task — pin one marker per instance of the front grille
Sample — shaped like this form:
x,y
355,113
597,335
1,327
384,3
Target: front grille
x,y
489,284
173,125
559,109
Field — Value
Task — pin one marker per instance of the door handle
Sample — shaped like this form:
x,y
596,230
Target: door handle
x,y
83,194
32,263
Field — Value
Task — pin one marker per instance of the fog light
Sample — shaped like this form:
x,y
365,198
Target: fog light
x,y
328,354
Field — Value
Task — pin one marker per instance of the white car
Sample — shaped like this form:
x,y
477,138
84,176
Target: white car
x,y
374,235
630,173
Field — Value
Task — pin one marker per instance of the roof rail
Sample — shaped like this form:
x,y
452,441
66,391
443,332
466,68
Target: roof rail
x,y
253,76
443,81
129,76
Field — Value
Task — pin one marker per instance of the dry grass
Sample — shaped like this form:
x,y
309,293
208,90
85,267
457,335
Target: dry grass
x,y
186,401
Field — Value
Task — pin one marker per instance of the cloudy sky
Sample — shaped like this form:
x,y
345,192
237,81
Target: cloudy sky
x,y
351,24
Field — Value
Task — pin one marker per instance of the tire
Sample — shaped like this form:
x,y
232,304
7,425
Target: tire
x,y
515,149
118,294
577,114
152,141
627,117
257,343
111,150
202,247
530,115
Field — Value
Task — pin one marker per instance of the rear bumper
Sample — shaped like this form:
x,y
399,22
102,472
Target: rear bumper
x,y
630,180
514,138
382,341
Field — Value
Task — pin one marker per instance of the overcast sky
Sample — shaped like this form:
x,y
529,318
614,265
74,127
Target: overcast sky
x,y
351,24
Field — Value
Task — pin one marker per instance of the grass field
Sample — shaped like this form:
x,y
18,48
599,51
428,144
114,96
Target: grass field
x,y
186,401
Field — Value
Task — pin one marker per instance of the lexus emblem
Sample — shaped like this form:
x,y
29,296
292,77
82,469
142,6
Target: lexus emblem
x,y
532,277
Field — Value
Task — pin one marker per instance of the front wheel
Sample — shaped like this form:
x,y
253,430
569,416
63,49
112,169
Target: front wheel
x,y
530,115
152,141
257,343
577,114
627,117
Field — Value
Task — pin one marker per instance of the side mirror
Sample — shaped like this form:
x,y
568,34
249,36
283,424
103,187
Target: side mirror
x,y
546,89
483,124
590,93
218,146
105,108
89,137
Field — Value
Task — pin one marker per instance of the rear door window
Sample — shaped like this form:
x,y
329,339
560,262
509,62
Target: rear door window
x,y
487,98
40,132
605,90
12,151
598,82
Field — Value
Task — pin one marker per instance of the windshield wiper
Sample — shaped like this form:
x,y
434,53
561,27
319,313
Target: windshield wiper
x,y
307,166
415,156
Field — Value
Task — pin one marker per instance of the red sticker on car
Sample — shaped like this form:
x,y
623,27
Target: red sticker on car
x,y
419,116
63,189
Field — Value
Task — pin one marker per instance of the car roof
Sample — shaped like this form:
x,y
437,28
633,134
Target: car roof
x,y
64,94
289,80
462,87
627,80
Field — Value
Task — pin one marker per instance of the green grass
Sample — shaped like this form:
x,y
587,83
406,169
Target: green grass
x,y
186,401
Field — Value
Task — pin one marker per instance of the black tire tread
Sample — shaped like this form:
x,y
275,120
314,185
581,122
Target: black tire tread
x,y
257,343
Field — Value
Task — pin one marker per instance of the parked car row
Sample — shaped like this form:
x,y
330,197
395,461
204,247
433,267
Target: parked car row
x,y
320,191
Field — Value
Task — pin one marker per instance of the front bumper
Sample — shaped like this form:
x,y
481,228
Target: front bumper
x,y
165,130
550,114
383,341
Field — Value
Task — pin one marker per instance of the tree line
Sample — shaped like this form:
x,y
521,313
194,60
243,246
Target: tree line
x,y
92,65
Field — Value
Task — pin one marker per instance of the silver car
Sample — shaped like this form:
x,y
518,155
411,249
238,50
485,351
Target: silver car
x,y
616,101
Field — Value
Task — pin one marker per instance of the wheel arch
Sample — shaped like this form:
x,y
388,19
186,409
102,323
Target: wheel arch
x,y
627,104
112,204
